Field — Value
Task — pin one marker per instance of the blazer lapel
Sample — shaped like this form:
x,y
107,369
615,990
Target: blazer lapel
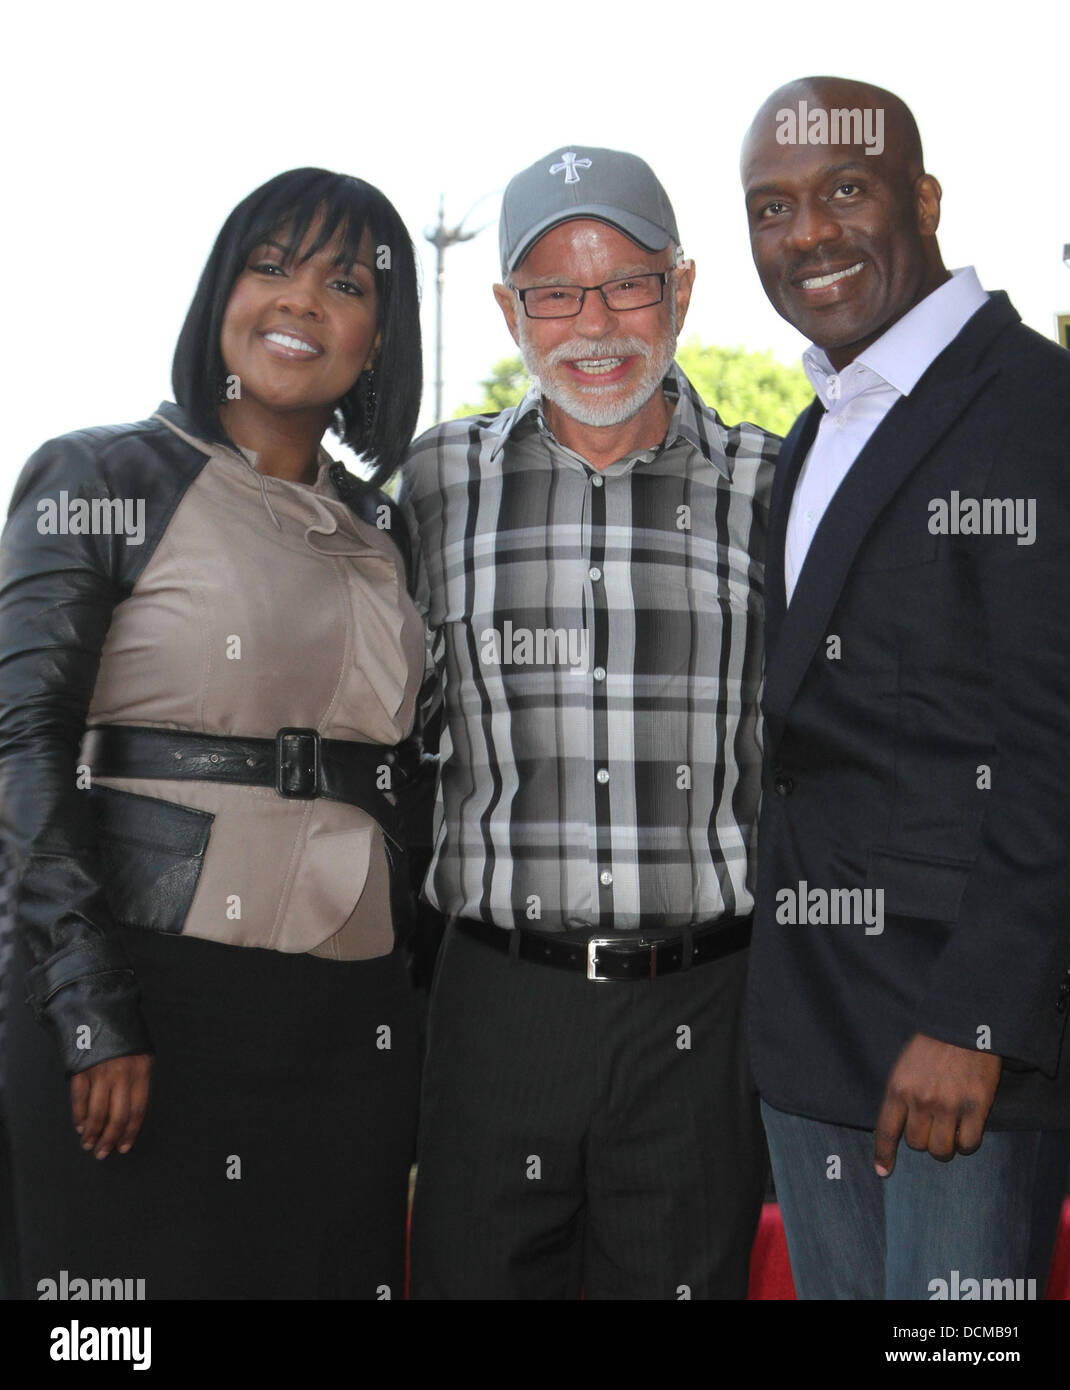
x,y
788,465
913,426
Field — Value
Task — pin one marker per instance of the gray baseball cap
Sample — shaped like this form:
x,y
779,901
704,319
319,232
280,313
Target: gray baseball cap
x,y
580,181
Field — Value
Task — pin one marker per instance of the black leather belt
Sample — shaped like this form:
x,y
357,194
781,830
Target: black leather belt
x,y
620,957
298,763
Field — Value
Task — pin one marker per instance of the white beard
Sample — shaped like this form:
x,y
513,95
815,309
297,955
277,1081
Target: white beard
x,y
597,404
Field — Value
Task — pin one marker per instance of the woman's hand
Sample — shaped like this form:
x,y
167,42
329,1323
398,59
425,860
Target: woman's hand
x,y
108,1102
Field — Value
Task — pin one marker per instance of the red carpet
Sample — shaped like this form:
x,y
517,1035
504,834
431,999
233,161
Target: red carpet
x,y
770,1272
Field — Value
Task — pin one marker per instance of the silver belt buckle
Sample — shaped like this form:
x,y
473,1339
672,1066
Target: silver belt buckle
x,y
592,947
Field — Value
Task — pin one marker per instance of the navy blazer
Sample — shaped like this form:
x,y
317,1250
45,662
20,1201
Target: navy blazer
x,y
917,746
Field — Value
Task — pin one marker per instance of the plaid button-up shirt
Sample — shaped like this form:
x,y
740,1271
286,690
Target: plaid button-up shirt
x,y
600,639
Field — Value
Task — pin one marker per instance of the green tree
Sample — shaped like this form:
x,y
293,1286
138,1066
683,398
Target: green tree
x,y
504,387
740,385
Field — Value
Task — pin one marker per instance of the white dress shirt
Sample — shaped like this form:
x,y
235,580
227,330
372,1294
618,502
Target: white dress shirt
x,y
857,399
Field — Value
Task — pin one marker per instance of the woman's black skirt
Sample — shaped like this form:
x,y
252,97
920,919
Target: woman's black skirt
x,y
274,1159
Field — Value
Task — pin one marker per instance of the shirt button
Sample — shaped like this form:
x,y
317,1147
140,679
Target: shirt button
x,y
834,388
596,480
601,775
599,673
605,878
839,421
594,573
810,517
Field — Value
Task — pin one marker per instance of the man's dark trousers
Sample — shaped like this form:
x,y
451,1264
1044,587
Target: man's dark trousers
x,y
577,1136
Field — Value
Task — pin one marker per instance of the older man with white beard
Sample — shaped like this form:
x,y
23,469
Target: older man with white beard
x,y
591,567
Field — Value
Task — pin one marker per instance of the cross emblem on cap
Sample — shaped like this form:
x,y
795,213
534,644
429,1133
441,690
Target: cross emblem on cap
x,y
569,163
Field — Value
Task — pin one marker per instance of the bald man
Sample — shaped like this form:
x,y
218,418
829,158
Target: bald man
x,y
911,963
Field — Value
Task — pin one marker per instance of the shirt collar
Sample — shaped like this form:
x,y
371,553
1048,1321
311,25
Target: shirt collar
x,y
904,352
692,420
506,421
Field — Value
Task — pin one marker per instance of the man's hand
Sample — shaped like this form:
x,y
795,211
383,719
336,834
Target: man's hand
x,y
938,1098
108,1103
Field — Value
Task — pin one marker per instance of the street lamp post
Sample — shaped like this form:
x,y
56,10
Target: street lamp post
x,y
440,239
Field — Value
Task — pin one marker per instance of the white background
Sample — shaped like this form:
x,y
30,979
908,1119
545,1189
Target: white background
x,y
131,130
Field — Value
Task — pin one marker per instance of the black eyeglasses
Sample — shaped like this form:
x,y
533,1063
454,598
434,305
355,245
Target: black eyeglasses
x,y
566,301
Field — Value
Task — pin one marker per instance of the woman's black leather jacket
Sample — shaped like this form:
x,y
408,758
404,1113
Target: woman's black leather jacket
x,y
57,594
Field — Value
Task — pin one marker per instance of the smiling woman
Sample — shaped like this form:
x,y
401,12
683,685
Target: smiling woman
x,y
268,236
300,327
198,731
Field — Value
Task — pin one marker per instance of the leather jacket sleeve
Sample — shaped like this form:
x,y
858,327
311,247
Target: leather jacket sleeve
x,y
57,594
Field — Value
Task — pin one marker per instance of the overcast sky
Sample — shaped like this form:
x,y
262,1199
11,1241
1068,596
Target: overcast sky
x,y
131,130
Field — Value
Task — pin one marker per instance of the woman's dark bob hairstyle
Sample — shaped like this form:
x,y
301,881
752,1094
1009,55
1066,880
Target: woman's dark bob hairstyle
x,y
284,209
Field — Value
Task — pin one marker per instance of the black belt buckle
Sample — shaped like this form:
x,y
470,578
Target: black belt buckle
x,y
297,763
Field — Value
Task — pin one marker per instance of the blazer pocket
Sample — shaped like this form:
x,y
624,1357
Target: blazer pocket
x,y
914,887
151,853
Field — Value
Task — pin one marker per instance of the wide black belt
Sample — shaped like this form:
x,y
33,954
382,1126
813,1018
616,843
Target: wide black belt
x,y
297,762
619,957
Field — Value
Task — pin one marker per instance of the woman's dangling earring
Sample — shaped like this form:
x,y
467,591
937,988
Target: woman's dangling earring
x,y
367,379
